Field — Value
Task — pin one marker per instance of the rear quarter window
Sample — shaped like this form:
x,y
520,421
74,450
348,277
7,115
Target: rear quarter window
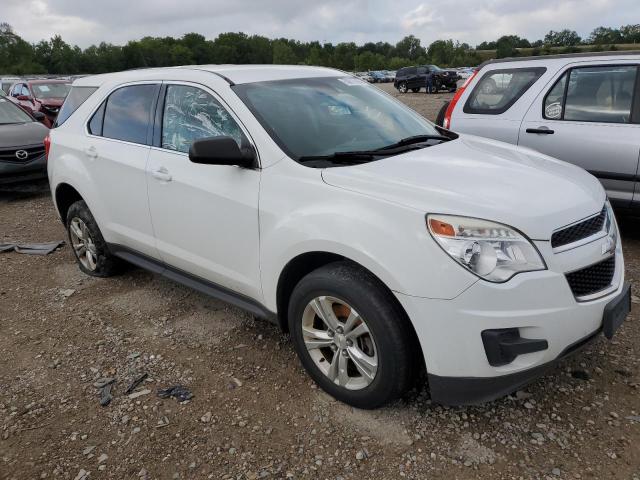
x,y
76,97
498,90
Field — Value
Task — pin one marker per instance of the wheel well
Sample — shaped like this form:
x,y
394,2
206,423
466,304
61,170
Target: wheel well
x,y
66,196
304,264
292,274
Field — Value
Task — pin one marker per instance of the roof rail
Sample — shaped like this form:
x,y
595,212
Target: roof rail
x,y
611,53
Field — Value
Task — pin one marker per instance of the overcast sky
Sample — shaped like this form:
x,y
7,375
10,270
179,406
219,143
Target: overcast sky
x,y
85,22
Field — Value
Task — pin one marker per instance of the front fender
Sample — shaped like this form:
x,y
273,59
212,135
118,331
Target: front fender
x,y
299,213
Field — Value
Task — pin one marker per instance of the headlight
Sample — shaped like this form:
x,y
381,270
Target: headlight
x,y
493,251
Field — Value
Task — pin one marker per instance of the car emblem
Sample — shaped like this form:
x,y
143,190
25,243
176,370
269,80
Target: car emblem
x,y
21,154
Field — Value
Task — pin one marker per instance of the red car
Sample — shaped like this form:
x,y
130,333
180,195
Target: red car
x,y
45,96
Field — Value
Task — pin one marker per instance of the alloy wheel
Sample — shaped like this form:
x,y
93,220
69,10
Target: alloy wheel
x,y
82,243
339,342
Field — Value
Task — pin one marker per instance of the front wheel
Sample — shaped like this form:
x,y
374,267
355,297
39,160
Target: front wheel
x,y
351,337
402,87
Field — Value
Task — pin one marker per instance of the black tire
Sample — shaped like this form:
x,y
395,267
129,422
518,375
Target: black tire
x,y
393,336
415,90
106,264
440,117
402,87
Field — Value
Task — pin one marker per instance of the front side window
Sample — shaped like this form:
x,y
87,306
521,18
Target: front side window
x,y
191,113
593,94
498,90
127,113
310,117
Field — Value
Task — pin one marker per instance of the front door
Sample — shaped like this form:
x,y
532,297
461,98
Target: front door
x,y
586,118
205,217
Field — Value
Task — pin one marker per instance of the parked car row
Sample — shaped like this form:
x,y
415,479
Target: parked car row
x,y
377,76
408,246
28,108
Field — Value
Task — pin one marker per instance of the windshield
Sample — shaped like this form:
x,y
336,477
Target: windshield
x,y
9,113
50,90
321,116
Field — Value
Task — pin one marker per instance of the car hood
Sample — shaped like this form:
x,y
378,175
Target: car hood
x,y
51,102
481,178
22,134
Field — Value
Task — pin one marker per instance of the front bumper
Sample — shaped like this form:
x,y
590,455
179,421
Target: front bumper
x,y
12,173
540,305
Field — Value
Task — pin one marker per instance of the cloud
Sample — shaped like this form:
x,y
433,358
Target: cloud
x,y
420,17
86,22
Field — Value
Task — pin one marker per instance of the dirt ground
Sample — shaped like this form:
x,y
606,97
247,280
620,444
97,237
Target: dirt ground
x,y
254,412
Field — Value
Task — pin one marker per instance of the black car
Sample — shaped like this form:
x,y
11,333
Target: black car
x,y
415,78
22,152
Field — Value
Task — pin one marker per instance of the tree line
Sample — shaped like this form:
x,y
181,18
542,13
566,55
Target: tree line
x,y
55,56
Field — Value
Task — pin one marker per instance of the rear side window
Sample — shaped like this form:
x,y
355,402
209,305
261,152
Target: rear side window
x,y
127,114
77,96
593,94
498,90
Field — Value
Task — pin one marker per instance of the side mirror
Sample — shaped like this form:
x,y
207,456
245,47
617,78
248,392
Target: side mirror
x,y
39,116
222,151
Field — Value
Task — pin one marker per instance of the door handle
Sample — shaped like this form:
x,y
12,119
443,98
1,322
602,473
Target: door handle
x,y
162,174
91,152
541,130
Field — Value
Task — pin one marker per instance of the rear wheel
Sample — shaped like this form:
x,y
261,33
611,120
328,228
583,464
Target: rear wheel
x,y
350,336
402,87
89,247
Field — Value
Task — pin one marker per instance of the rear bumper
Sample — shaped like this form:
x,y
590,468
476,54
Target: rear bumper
x,y
11,173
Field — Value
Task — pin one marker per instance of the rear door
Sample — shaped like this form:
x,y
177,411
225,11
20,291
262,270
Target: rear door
x,y
420,78
116,152
586,117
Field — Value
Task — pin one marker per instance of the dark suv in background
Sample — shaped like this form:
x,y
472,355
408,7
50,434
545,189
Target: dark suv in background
x,y
415,78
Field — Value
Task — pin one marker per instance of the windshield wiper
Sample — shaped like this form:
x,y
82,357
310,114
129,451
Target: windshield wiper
x,y
362,156
413,140
343,157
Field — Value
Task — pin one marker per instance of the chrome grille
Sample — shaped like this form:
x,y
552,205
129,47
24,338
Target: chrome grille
x,y
32,152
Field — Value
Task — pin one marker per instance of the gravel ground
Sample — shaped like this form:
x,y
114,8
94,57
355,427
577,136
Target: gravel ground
x,y
254,412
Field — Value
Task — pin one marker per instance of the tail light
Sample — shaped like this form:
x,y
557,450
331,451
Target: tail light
x,y
47,147
452,104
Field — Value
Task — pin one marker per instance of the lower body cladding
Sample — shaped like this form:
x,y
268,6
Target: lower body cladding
x,y
18,172
495,338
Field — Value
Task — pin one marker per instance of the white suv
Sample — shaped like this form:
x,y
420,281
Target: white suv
x,y
382,243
